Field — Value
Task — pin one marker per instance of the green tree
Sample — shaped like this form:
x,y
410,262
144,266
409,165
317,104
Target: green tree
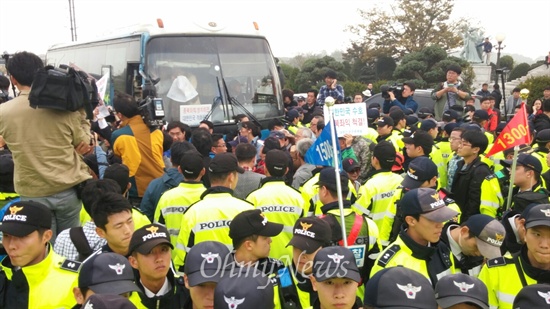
x,y
427,68
536,87
313,72
385,66
520,70
290,73
407,27
351,88
507,62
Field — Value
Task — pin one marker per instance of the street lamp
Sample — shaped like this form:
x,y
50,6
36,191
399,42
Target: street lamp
x,y
500,38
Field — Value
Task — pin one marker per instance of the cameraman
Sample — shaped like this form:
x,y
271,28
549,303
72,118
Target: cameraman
x,y
407,95
138,145
46,145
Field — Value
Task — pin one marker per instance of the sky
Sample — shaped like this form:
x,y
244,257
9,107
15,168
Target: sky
x,y
292,27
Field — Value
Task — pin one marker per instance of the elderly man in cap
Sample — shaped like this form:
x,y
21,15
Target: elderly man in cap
x,y
104,273
336,277
449,93
505,276
209,218
418,246
205,264
31,268
150,256
471,242
461,291
399,287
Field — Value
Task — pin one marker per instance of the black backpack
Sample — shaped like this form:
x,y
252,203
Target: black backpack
x,y
63,89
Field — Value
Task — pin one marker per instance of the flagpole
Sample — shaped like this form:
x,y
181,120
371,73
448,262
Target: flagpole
x,y
512,177
329,102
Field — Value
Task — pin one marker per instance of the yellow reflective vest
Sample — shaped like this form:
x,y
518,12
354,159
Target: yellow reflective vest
x,y
208,219
435,264
173,203
503,280
376,198
282,204
47,284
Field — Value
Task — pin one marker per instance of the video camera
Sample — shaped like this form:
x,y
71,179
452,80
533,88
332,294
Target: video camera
x,y
152,111
397,90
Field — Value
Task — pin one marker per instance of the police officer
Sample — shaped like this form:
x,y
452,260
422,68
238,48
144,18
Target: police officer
x,y
209,218
543,148
506,276
417,246
479,237
245,289
104,273
461,291
527,181
150,255
310,235
376,195
174,202
384,127
361,232
336,278
422,173
278,202
399,287
430,126
205,264
32,274
251,233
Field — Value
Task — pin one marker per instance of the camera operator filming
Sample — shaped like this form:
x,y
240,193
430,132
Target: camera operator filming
x,y
401,96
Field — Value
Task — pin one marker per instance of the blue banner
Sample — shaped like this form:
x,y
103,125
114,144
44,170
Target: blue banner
x,y
321,153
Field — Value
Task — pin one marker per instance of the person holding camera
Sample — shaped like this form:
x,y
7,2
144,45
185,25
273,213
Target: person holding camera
x,y
451,92
139,146
406,94
47,145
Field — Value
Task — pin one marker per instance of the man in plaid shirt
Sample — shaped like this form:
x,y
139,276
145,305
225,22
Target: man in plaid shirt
x,y
331,89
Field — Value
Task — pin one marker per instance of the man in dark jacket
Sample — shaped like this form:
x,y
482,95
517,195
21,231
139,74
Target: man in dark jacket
x,y
470,173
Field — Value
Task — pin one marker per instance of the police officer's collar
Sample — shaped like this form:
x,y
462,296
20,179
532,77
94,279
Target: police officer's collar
x,y
418,251
216,190
271,179
334,205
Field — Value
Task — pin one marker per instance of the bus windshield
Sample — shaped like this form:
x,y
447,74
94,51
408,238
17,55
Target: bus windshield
x,y
214,77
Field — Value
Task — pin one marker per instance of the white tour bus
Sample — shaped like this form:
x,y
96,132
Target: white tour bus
x,y
201,71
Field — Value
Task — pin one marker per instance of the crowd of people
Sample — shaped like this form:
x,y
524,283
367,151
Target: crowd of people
x,y
112,212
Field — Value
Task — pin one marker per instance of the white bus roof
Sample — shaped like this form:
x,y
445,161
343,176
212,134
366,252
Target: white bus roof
x,y
181,28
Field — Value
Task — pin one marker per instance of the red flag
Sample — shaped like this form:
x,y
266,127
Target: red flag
x,y
515,133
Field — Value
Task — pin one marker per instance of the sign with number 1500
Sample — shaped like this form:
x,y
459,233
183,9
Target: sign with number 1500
x,y
324,150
